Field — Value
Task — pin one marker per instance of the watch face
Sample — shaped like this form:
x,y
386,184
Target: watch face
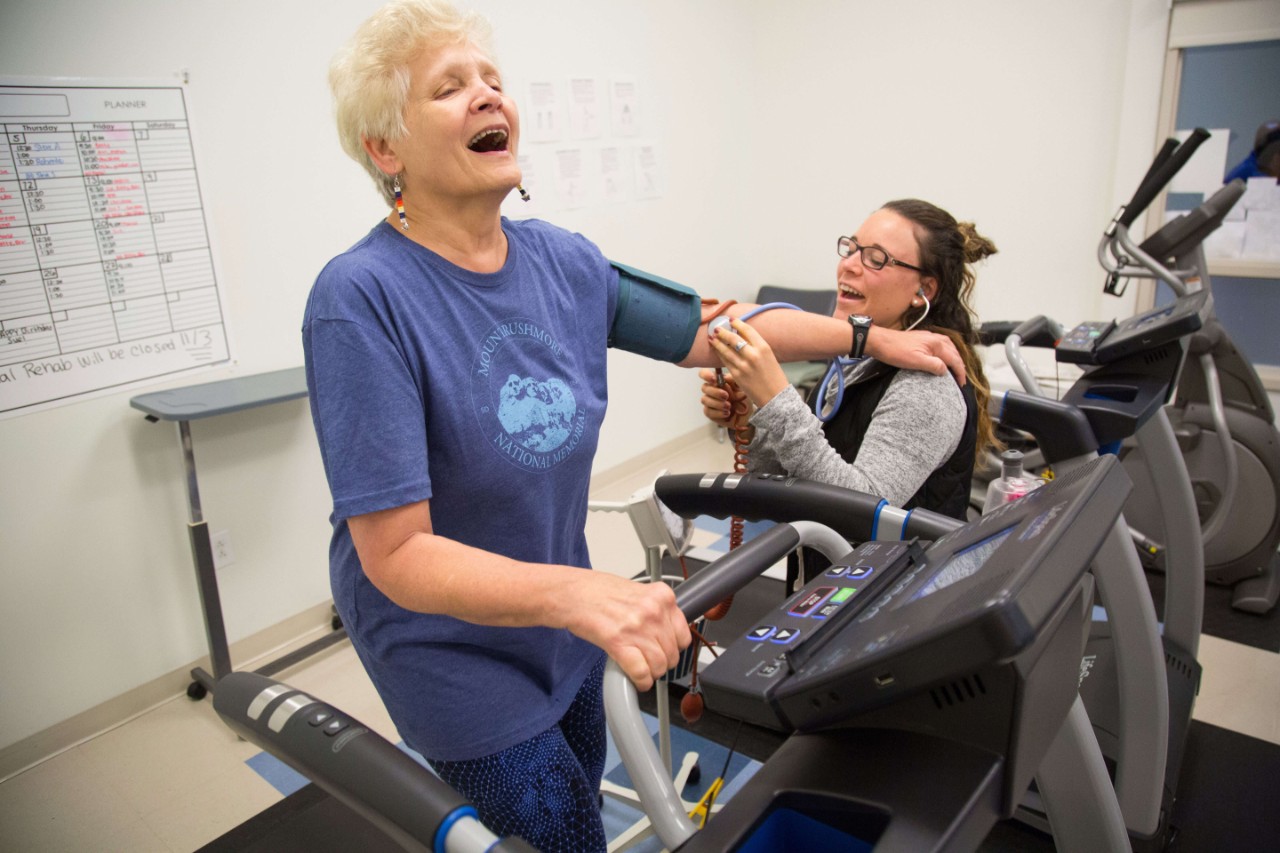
x,y
861,324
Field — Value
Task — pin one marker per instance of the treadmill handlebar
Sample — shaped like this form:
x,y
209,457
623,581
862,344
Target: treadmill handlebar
x,y
1160,174
357,766
1061,430
736,569
857,516
1039,331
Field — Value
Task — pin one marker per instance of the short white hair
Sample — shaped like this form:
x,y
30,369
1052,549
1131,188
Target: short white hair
x,y
370,76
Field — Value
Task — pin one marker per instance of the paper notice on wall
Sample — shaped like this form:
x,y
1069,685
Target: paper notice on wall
x,y
648,172
624,108
571,180
106,265
1203,173
585,117
614,183
1260,194
1227,241
1262,235
541,117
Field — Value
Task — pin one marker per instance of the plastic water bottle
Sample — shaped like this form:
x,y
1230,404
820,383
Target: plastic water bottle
x,y
1013,482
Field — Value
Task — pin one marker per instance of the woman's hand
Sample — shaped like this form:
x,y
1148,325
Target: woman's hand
x,y
916,350
637,624
725,404
754,367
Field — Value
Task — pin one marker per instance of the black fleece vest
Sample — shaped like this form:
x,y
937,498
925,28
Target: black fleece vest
x,y
946,490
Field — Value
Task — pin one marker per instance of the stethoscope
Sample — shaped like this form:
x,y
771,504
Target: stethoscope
x,y
723,321
835,376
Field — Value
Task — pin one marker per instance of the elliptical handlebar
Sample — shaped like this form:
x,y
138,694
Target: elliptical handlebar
x,y
1162,170
1162,156
649,774
1039,331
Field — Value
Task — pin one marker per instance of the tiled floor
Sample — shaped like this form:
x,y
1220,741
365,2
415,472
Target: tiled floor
x,y
175,777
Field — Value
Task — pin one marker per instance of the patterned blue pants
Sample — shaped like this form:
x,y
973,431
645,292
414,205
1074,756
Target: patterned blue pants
x,y
547,789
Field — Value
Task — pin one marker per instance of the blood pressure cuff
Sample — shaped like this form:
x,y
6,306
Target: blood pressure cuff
x,y
655,316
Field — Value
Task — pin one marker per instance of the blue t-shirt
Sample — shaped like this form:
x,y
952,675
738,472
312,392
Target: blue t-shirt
x,y
483,393
1246,169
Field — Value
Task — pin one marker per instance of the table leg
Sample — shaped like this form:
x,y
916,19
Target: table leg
x,y
206,577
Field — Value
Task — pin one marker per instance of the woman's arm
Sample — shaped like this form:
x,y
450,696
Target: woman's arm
x,y
638,625
804,336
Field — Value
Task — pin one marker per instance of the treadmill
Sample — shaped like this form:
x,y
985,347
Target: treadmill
x,y
923,684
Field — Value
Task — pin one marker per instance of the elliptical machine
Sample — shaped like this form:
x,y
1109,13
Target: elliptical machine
x,y
1132,369
1221,415
916,741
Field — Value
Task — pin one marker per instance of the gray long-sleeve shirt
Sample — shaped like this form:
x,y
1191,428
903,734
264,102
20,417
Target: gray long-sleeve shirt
x,y
915,428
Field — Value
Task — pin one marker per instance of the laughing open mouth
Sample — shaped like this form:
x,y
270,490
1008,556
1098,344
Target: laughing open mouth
x,y
493,139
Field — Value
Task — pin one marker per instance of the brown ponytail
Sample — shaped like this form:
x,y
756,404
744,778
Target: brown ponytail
x,y
947,249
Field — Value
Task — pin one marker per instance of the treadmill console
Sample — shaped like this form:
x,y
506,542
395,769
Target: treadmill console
x,y
892,618
1107,341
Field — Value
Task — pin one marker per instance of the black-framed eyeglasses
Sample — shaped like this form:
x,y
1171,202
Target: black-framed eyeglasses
x,y
873,256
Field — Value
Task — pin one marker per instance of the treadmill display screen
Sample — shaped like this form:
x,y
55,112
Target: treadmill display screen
x,y
963,564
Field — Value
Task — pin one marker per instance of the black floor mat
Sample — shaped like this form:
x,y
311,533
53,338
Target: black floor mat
x,y
1223,621
307,821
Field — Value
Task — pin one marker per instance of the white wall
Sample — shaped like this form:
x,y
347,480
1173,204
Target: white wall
x,y
1012,114
1007,114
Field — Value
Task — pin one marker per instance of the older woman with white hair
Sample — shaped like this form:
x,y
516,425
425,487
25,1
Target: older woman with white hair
x,y
456,368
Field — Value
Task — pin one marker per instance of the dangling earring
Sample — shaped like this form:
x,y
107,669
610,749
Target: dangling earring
x,y
395,188
524,194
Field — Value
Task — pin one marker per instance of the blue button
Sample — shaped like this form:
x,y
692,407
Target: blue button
x,y
860,571
784,636
761,633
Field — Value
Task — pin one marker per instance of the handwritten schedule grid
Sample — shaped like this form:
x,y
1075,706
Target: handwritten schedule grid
x,y
105,259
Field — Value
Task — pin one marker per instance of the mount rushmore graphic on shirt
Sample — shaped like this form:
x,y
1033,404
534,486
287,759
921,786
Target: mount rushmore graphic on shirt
x,y
539,415
528,413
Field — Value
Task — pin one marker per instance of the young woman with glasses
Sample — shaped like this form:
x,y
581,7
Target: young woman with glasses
x,y
904,435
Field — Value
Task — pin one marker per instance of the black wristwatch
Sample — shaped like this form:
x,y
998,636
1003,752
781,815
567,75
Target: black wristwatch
x,y
861,324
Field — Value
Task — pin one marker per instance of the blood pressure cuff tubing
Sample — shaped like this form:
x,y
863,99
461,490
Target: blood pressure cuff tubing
x,y
655,317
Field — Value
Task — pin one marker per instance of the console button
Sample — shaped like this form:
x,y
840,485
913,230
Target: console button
x,y
319,716
812,600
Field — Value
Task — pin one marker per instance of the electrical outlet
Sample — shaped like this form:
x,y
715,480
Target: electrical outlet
x,y
223,555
